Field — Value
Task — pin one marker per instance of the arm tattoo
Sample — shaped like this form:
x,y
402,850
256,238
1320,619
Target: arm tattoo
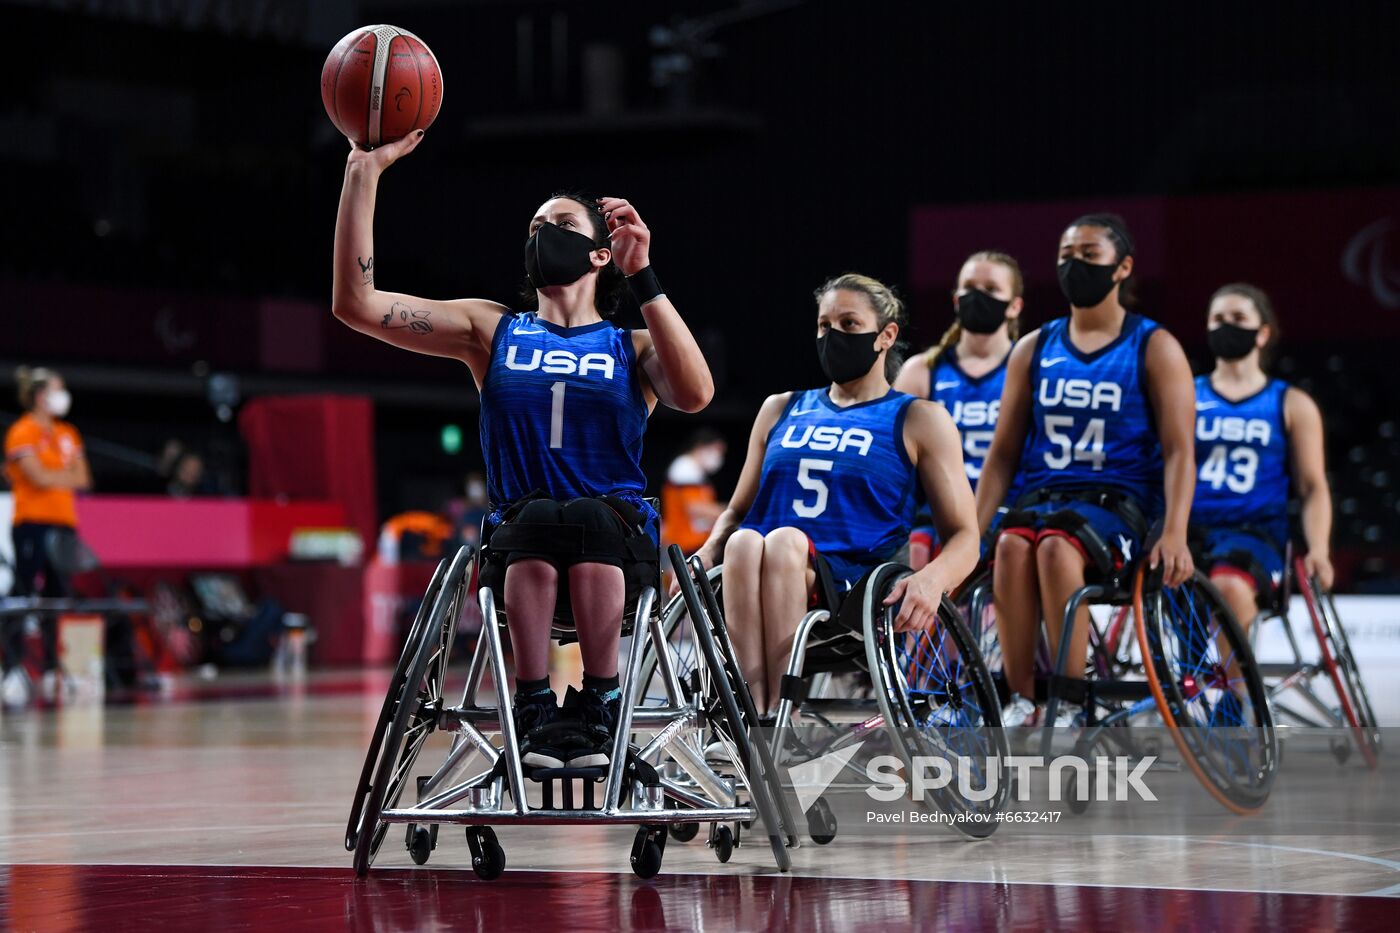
x,y
366,270
401,316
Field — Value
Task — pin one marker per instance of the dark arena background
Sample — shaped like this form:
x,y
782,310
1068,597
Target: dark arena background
x,y
271,491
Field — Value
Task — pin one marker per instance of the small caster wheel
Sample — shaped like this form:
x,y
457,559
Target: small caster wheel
x,y
1341,749
821,823
420,844
647,851
723,843
684,832
488,858
1078,802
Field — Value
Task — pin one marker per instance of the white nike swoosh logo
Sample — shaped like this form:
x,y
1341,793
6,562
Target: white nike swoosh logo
x,y
1055,362
940,386
805,411
1202,406
523,330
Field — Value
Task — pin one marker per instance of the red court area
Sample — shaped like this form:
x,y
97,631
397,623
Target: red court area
x,y
129,897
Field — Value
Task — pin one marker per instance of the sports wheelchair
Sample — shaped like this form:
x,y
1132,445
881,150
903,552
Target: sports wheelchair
x,y
851,677
1352,709
1177,652
662,783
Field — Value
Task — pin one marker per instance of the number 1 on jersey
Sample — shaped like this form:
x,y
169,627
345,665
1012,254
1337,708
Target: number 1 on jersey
x,y
556,416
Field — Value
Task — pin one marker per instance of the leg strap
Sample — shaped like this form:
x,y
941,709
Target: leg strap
x,y
794,689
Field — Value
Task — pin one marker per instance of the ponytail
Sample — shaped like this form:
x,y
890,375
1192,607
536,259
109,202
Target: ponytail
x,y
950,338
954,333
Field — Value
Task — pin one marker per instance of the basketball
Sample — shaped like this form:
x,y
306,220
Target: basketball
x,y
379,84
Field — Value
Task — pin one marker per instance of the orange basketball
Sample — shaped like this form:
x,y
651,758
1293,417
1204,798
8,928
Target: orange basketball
x,y
381,83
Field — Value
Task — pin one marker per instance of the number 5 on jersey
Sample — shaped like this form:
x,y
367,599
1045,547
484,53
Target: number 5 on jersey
x,y
805,468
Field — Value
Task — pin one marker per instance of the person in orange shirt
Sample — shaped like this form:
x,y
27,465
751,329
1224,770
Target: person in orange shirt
x,y
688,506
45,466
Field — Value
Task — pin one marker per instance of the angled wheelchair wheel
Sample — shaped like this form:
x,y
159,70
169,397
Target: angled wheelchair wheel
x,y
975,600
415,710
684,652
938,701
732,710
1208,688
386,712
1340,663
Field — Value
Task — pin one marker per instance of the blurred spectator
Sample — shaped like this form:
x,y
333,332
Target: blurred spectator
x,y
688,506
188,479
468,519
182,468
46,467
413,536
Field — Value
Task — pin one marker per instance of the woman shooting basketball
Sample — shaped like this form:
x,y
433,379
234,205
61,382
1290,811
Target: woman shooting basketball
x,y
565,396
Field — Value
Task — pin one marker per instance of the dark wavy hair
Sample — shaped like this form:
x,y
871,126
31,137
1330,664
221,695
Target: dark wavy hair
x,y
1117,230
611,282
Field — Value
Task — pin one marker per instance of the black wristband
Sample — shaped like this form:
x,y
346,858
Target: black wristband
x,y
644,286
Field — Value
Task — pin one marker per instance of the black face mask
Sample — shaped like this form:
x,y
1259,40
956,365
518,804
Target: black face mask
x,y
1229,342
844,356
1084,283
980,313
555,256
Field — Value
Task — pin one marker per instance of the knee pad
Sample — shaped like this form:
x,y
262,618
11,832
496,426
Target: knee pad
x,y
576,531
1014,519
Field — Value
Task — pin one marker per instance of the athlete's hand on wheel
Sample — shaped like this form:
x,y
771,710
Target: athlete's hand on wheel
x,y
1319,566
631,240
921,595
1174,557
381,157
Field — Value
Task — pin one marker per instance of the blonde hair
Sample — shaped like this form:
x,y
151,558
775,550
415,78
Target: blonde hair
x,y
31,380
1013,326
888,306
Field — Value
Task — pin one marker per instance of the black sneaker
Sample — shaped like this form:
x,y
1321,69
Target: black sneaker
x,y
597,720
538,730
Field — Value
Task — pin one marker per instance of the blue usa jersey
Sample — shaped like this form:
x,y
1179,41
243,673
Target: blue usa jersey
x,y
1091,422
973,402
1242,459
562,411
840,475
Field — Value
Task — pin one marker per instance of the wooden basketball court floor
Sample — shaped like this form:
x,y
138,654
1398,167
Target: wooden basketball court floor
x,y
225,808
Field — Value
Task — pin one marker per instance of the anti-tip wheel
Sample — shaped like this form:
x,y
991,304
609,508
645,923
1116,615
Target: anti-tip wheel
x,y
723,843
821,823
488,858
420,845
1078,800
646,853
